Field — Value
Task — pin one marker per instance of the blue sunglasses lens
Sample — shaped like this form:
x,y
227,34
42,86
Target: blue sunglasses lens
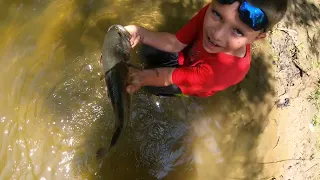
x,y
250,15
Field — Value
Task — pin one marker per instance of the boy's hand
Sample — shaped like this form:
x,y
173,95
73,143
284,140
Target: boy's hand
x,y
134,81
135,34
149,77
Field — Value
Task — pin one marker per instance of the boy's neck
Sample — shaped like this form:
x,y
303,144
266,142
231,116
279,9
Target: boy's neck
x,y
241,52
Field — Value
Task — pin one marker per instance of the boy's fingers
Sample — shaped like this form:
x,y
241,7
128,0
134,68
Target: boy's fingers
x,y
135,38
135,41
134,80
132,40
131,89
130,28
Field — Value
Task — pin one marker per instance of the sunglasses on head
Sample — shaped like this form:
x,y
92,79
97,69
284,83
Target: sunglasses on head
x,y
252,16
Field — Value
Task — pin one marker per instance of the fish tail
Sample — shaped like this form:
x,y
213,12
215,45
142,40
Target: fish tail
x,y
115,137
102,152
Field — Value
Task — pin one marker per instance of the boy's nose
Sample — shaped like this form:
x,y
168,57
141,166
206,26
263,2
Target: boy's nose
x,y
219,32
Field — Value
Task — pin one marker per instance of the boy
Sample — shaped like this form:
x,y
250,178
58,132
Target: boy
x,y
209,54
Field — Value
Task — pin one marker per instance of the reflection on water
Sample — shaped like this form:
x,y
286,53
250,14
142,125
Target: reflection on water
x,y
54,113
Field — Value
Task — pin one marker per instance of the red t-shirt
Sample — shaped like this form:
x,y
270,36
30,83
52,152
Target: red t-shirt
x,y
201,73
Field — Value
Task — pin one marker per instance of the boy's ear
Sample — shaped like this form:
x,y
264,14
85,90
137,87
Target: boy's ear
x,y
261,36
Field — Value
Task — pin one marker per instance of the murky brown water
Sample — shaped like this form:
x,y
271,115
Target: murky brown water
x,y
54,114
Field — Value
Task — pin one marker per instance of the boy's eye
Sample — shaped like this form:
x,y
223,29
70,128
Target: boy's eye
x,y
216,15
238,33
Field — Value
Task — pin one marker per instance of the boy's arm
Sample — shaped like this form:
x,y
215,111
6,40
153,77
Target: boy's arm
x,y
161,40
175,42
150,77
157,77
199,77
166,41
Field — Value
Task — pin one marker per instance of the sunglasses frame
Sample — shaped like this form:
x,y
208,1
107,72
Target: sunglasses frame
x,y
243,18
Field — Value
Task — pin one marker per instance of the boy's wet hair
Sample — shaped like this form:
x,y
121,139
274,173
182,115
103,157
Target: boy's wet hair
x,y
274,9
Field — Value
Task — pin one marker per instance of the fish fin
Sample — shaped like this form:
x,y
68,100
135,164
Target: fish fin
x,y
135,66
101,153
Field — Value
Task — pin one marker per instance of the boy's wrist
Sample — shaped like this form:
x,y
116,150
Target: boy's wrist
x,y
156,77
146,77
141,31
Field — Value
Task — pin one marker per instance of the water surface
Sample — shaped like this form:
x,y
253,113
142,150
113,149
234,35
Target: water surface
x,y
54,113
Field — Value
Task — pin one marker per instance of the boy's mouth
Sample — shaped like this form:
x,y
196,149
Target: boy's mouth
x,y
212,42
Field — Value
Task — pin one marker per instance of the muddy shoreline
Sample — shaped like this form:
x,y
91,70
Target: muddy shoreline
x,y
293,153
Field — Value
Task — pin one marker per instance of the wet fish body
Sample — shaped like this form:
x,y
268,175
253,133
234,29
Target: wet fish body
x,y
115,55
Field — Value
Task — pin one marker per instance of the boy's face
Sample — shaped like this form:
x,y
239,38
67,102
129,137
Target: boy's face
x,y
223,31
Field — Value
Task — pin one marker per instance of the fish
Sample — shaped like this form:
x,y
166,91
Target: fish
x,y
114,59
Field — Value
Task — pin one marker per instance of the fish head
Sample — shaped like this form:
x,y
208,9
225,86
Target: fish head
x,y
123,34
116,47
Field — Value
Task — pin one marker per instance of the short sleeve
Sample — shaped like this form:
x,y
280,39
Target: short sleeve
x,y
194,79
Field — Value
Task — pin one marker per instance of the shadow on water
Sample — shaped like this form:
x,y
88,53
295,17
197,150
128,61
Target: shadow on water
x,y
8,13
302,13
178,13
168,138
243,109
305,14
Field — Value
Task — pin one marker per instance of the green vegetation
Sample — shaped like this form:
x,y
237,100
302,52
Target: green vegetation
x,y
315,98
